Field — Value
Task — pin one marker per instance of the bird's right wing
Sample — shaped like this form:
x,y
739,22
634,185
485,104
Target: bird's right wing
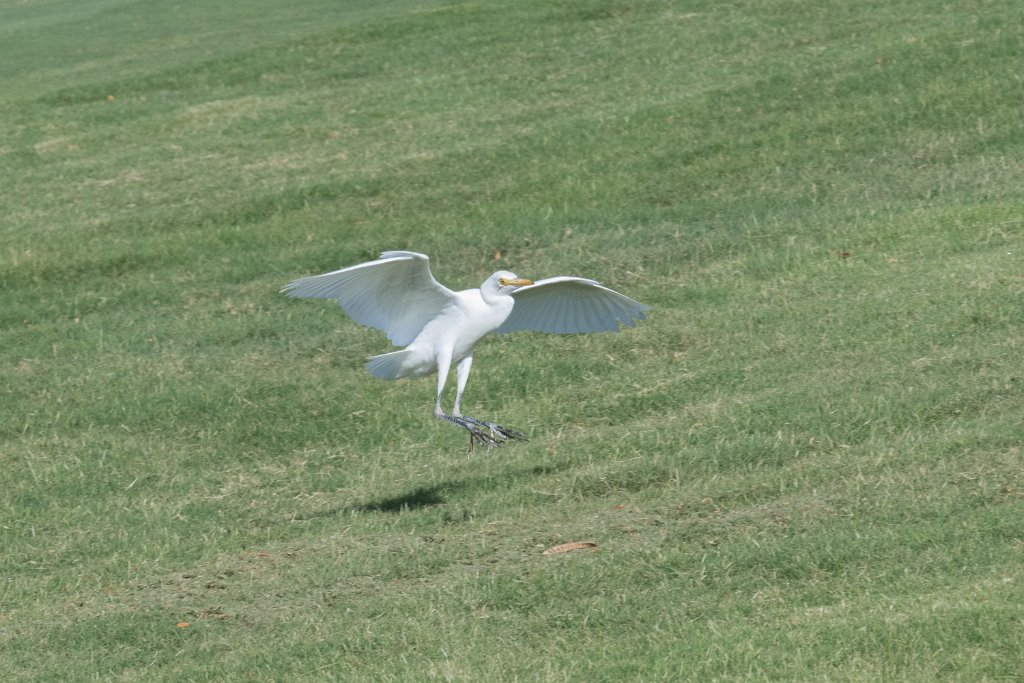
x,y
568,305
395,294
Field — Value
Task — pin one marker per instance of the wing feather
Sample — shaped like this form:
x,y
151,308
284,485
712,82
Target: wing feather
x,y
395,294
568,305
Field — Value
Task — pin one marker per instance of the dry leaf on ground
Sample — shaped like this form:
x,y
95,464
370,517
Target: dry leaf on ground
x,y
566,547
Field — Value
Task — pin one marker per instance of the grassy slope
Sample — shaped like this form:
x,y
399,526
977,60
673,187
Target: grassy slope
x,y
805,465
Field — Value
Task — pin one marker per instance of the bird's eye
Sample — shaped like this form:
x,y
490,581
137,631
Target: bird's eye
x,y
502,281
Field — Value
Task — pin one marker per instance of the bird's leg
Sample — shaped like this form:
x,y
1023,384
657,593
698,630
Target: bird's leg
x,y
497,431
476,435
461,377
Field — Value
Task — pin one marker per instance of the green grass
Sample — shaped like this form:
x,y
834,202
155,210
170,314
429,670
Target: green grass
x,y
805,465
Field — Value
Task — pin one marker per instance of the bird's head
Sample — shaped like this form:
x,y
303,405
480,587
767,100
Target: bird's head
x,y
507,282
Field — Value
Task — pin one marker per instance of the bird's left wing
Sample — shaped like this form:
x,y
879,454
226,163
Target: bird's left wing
x,y
567,305
396,293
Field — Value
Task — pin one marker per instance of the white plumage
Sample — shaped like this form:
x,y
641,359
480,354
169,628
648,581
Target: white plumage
x,y
438,327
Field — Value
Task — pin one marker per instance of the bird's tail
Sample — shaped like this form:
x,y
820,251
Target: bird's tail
x,y
389,365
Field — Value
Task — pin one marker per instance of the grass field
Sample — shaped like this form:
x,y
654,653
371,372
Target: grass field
x,y
805,465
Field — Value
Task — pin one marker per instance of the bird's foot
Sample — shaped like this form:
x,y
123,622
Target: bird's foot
x,y
503,432
492,438
476,435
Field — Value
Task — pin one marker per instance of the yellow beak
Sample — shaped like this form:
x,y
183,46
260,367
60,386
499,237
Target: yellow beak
x,y
514,281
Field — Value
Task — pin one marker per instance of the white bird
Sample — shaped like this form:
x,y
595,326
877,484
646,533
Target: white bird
x,y
438,327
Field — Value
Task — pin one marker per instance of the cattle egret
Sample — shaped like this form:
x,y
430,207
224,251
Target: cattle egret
x,y
438,327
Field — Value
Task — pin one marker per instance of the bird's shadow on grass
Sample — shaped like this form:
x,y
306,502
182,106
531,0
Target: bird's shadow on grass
x,y
419,497
437,494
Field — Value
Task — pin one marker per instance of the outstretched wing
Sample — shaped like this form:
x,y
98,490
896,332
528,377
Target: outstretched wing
x,y
568,305
395,294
